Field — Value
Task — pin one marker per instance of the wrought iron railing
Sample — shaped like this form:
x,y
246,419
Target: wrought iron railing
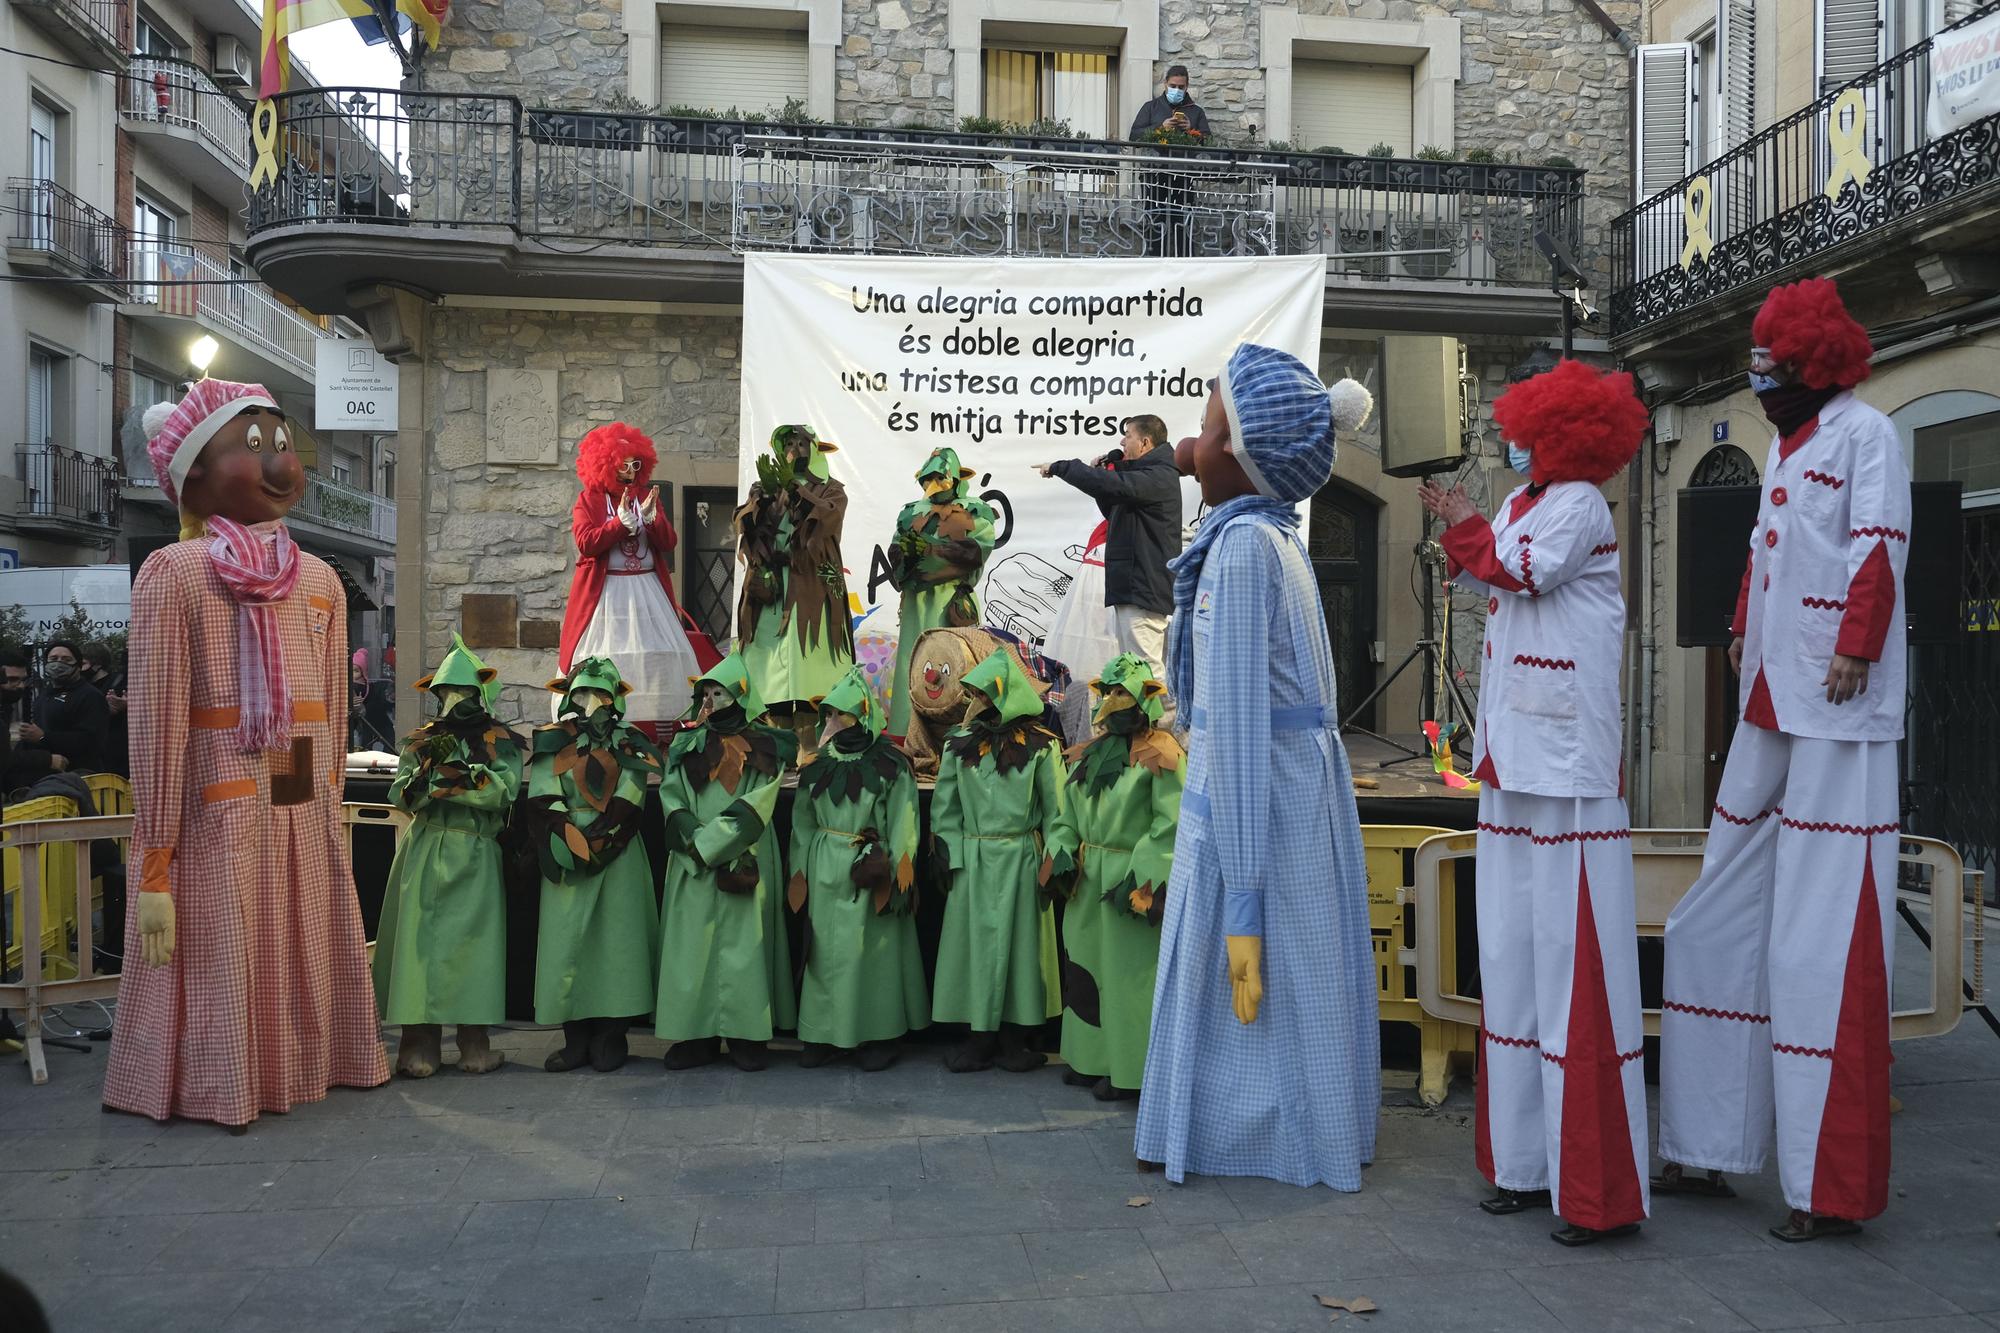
x,y
161,91
180,280
100,18
1767,210
467,160
335,504
45,217
61,483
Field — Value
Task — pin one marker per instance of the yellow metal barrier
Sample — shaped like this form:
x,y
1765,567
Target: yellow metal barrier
x,y
54,878
1665,864
1390,852
53,840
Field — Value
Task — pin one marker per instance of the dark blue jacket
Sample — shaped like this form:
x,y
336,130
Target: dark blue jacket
x,y
1141,503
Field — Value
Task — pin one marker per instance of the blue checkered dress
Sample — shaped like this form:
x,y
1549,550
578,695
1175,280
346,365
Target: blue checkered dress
x,y
1269,845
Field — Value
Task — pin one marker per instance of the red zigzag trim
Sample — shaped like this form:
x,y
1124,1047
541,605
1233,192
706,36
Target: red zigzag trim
x,y
1823,603
1896,533
1741,822
1552,839
1813,1051
1547,663
1609,548
1523,1043
1735,1015
1823,479
1528,566
1624,1057
1805,826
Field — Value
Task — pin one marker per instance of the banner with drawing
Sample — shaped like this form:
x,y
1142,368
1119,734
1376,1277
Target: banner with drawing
x,y
1012,362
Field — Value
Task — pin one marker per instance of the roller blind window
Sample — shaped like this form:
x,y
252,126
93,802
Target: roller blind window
x,y
1351,106
714,69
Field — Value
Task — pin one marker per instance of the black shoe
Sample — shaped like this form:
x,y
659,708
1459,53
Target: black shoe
x,y
749,1056
876,1056
1508,1202
1106,1091
818,1053
575,1052
1575,1236
693,1054
607,1044
1078,1080
973,1054
1016,1056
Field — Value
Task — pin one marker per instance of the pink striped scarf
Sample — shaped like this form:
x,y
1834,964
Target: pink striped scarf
x,y
258,578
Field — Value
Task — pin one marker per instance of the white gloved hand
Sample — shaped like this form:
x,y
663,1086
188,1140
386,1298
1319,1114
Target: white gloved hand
x,y
156,928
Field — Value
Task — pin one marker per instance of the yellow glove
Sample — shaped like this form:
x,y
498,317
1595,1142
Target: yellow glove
x,y
1246,976
156,928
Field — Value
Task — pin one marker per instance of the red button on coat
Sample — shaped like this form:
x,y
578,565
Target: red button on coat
x,y
1771,537
1777,495
1492,606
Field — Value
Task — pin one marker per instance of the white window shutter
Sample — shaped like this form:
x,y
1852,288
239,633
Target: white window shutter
x,y
1736,48
712,68
1954,10
1338,104
1666,102
1848,41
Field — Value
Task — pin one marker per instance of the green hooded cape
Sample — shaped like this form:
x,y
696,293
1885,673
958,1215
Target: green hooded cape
x,y
792,613
942,542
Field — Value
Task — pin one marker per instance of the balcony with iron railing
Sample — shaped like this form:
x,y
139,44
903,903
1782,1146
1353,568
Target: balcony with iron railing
x,y
65,492
568,203
51,233
93,30
201,131
1879,167
171,280
342,515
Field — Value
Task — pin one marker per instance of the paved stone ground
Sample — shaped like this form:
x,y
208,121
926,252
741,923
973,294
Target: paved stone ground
x,y
908,1200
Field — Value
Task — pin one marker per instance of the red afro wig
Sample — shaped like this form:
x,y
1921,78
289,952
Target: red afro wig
x,y
1806,325
1579,423
600,452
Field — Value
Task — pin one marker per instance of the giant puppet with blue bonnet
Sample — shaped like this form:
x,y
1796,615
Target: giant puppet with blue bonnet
x,y
1264,1054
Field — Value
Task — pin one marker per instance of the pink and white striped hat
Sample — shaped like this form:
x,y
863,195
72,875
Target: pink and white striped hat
x,y
175,434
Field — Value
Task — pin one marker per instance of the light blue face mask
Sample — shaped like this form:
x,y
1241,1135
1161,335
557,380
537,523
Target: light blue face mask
x,y
1519,459
1763,384
1175,96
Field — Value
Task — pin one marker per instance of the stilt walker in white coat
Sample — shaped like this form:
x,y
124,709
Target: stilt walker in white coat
x,y
1777,961
1562,1097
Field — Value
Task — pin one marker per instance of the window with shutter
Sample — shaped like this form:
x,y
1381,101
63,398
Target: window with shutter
x,y
41,396
715,69
1848,41
1955,10
1736,82
1666,102
1023,86
1353,106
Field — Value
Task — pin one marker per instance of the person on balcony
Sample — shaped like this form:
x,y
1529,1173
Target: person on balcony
x,y
1174,109
1776,994
1562,1095
246,987
621,597
1171,118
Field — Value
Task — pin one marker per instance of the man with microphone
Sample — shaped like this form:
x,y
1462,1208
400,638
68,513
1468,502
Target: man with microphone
x,y
1138,490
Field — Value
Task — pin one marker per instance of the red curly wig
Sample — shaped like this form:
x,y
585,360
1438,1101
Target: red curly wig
x,y
599,453
1805,325
1579,423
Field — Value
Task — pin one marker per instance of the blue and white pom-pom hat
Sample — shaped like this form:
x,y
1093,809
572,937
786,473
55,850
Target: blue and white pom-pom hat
x,y
1282,420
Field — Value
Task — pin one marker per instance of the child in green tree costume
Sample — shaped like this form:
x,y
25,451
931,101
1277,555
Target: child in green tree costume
x,y
595,957
1115,837
942,542
725,968
854,846
999,787
441,948
792,619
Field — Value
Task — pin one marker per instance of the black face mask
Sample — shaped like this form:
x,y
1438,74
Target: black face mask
x,y
1125,722
852,740
1790,406
59,673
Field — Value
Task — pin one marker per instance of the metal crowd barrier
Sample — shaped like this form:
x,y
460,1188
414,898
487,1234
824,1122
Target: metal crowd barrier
x,y
49,848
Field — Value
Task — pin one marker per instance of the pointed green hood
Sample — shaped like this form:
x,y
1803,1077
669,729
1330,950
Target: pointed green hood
x,y
462,667
1133,674
733,675
853,695
592,673
815,461
1003,681
943,465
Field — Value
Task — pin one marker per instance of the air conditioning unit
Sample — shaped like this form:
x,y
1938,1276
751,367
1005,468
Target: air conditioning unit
x,y
235,63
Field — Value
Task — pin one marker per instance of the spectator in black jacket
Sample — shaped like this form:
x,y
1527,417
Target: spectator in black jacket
x,y
69,720
1138,490
102,668
1174,108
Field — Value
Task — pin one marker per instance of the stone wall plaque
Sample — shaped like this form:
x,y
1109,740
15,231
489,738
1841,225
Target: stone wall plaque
x,y
541,634
521,407
488,619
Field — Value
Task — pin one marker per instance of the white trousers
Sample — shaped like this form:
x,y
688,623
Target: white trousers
x,y
1777,974
1145,633
1562,1094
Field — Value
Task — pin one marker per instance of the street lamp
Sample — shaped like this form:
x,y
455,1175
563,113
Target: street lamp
x,y
201,354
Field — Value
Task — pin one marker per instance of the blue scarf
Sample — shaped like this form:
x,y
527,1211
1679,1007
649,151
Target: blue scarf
x,y
1186,568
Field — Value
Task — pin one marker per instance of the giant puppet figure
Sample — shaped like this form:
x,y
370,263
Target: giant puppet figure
x,y
1776,996
1562,1096
792,623
621,598
940,546
246,987
1245,1078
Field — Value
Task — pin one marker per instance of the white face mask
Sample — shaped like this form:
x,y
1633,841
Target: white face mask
x,y
715,698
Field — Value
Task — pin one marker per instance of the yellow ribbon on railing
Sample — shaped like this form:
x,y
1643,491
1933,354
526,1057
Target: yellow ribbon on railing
x,y
1849,162
264,138
1695,206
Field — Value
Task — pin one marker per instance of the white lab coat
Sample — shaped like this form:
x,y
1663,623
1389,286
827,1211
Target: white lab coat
x,y
1550,721
1826,575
